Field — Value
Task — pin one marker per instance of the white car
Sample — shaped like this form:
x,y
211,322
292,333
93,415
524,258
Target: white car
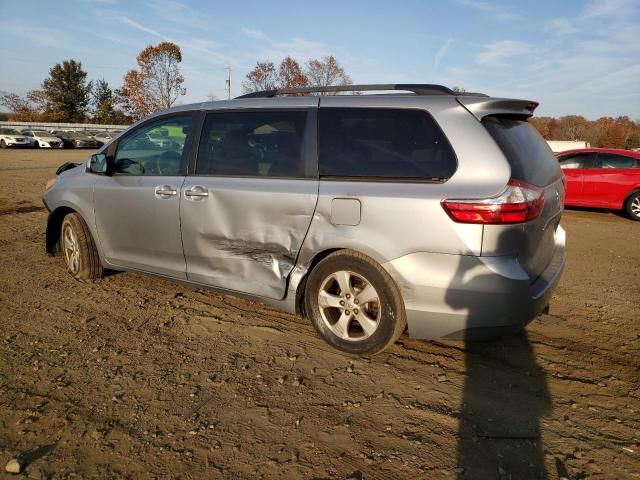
x,y
42,139
10,137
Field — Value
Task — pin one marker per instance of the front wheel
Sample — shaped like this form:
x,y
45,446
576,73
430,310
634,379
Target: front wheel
x,y
3,144
632,206
79,249
354,304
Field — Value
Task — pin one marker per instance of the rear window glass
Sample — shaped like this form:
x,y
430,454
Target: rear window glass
x,y
383,143
529,155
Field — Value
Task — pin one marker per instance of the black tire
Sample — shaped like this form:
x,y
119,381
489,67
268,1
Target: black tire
x,y
3,144
36,144
79,249
632,206
389,307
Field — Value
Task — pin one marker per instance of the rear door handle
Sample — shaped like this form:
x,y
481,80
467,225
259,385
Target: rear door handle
x,y
165,191
196,192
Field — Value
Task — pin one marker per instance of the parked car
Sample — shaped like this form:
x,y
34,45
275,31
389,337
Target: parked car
x,y
92,134
602,178
10,137
75,139
42,139
429,209
103,137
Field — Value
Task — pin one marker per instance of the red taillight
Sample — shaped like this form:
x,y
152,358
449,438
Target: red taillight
x,y
520,202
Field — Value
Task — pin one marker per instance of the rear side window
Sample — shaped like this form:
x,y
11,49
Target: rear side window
x,y
611,160
383,143
266,143
529,155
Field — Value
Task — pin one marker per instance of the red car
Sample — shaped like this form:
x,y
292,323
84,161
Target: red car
x,y
602,178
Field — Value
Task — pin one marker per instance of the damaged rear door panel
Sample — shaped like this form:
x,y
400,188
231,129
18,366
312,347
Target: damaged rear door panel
x,y
248,205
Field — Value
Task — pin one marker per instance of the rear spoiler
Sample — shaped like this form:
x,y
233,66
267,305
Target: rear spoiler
x,y
481,107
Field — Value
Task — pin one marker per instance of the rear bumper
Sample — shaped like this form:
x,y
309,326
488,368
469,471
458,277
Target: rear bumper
x,y
457,296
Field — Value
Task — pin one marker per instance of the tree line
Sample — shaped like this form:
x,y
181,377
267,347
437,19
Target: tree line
x,y
66,95
605,132
323,72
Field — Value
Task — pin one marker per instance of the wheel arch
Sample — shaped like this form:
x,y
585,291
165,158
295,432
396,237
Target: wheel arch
x,y
54,228
302,284
635,189
317,258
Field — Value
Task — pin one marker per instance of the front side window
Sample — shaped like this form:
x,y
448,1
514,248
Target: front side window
x,y
383,143
576,160
267,143
610,160
153,149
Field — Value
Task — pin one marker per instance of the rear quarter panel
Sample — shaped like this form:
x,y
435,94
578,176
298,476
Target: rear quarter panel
x,y
399,218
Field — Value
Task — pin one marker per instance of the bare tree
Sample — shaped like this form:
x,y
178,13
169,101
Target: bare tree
x,y
291,75
326,72
157,84
25,109
263,77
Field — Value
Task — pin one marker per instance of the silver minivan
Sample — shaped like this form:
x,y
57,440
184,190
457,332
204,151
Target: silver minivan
x,y
419,208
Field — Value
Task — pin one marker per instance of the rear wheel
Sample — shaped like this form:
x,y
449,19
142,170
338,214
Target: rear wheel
x,y
3,144
632,206
79,249
354,304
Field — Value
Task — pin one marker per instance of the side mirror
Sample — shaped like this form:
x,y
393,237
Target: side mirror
x,y
97,163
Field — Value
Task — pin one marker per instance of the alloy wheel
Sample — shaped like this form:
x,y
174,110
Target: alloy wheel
x,y
635,207
71,249
349,305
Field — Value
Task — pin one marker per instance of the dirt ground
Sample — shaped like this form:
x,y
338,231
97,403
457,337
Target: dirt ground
x,y
135,377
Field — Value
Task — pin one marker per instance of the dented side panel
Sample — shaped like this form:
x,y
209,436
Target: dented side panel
x,y
246,235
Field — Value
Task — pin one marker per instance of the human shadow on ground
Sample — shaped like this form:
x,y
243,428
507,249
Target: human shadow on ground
x,y
505,391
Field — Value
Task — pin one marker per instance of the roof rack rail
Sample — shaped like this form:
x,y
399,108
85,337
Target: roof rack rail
x,y
417,88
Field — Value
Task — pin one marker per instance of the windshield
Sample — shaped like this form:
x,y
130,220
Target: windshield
x,y
41,133
9,131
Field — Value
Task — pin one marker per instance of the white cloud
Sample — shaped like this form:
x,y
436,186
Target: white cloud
x,y
267,48
255,34
35,34
442,51
497,11
497,52
611,8
176,12
560,26
142,28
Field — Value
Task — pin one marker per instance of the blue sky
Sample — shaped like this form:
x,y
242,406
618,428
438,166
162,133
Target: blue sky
x,y
574,57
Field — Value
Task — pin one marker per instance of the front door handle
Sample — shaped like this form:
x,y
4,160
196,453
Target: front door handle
x,y
165,191
196,192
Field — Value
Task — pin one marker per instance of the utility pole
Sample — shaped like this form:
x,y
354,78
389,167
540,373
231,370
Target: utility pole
x,y
227,82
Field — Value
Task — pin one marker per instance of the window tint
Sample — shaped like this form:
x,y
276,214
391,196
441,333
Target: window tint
x,y
610,160
576,160
256,144
153,149
386,143
529,155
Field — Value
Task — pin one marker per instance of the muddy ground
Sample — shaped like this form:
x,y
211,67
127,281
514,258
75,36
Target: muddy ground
x,y
135,377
